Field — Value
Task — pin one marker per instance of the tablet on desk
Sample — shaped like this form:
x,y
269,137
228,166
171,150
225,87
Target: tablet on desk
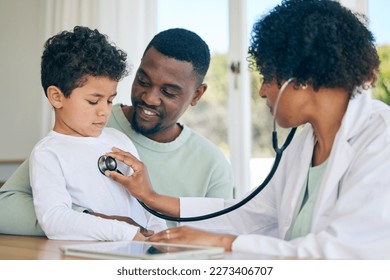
x,y
142,250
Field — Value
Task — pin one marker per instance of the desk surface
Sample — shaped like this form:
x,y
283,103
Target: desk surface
x,y
14,247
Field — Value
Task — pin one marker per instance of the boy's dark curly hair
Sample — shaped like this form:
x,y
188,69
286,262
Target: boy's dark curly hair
x,y
318,42
183,45
69,57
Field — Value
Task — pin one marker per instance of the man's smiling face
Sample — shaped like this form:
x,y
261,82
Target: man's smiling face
x,y
162,90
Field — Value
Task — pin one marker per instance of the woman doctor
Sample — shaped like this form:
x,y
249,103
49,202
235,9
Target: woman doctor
x,y
330,197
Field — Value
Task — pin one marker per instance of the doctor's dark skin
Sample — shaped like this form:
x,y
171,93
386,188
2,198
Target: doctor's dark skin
x,y
162,90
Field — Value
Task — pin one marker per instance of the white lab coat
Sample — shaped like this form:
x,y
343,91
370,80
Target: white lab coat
x,y
351,219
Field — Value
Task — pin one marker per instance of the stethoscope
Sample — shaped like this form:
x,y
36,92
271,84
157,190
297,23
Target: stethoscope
x,y
108,163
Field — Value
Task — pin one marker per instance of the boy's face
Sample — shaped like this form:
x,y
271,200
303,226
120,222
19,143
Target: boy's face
x,y
86,111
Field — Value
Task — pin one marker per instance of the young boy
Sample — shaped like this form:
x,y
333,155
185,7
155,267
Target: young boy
x,y
80,71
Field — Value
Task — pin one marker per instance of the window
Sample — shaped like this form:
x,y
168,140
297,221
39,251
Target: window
x,y
210,19
379,21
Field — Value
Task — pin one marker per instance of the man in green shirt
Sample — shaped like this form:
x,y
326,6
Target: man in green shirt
x,y
180,161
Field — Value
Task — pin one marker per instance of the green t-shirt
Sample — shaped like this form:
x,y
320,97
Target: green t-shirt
x,y
304,213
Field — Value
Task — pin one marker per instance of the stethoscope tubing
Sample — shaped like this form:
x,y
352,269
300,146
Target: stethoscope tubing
x,y
278,157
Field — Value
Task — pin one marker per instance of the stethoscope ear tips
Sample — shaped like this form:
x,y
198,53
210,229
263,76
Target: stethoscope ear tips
x,y
107,163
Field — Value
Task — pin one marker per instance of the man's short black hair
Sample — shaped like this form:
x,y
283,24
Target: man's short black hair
x,y
69,57
183,45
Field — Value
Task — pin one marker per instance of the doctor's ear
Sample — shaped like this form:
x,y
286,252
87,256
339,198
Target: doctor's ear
x,y
55,96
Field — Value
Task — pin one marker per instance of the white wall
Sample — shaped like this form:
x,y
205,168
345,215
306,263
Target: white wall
x,y
21,94
360,6
24,27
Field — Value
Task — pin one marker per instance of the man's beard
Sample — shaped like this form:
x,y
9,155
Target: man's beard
x,y
143,130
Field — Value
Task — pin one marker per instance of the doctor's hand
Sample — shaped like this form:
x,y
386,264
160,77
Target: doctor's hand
x,y
192,236
139,185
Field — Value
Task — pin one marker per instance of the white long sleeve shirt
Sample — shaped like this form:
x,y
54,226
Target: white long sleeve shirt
x,y
64,170
351,218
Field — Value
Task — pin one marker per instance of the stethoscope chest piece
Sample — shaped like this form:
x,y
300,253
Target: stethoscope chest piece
x,y
107,163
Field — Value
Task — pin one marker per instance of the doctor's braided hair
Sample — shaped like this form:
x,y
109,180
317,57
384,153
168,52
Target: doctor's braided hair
x,y
318,42
69,57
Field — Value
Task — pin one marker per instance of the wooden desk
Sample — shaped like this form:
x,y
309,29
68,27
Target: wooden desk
x,y
14,247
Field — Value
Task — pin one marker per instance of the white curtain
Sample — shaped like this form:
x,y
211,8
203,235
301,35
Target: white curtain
x,y
130,24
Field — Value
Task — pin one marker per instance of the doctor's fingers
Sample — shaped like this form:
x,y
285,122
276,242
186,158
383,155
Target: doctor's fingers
x,y
127,158
181,235
165,236
127,182
137,184
117,177
192,236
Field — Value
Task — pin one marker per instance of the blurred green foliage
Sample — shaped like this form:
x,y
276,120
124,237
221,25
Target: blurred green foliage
x,y
382,89
209,116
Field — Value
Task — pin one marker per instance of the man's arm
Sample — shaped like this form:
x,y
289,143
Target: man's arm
x,y
16,205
